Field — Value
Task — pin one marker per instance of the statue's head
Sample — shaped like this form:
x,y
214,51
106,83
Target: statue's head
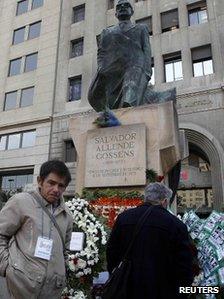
x,y
124,10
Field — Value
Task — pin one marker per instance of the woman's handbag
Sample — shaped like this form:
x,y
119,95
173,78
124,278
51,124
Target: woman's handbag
x,y
117,285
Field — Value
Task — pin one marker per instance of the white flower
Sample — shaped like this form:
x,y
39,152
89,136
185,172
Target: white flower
x,y
79,295
91,262
81,263
87,271
71,291
79,274
65,290
104,241
96,259
71,265
95,236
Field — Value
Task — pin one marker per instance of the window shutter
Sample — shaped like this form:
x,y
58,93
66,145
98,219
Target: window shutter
x,y
201,53
169,19
147,21
196,5
172,56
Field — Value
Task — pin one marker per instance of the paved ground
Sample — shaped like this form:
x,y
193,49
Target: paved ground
x,y
3,290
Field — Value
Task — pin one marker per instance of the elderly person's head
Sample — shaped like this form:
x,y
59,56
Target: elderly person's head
x,y
158,194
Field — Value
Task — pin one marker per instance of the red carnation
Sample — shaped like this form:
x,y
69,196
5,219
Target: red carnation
x,y
159,178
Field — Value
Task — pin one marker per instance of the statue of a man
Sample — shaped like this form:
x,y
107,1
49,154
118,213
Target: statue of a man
x,y
124,63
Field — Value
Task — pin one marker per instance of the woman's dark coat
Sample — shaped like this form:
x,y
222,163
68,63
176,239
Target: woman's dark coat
x,y
161,256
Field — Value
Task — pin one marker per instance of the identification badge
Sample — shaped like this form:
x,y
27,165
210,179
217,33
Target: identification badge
x,y
77,240
43,248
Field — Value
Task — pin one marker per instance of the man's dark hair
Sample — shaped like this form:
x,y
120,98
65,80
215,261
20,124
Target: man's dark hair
x,y
56,166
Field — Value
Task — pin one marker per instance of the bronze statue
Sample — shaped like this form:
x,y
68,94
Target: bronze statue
x,y
124,65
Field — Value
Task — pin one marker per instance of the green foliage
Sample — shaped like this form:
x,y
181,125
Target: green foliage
x,y
151,175
97,193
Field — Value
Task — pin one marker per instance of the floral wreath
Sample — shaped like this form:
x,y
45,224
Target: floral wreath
x,y
87,263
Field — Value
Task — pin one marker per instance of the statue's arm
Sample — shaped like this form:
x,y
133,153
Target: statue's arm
x,y
100,51
147,51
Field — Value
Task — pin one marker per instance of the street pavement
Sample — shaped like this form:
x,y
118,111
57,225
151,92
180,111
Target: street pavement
x,y
3,290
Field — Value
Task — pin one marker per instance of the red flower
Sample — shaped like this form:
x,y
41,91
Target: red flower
x,y
159,178
75,261
111,218
110,207
82,279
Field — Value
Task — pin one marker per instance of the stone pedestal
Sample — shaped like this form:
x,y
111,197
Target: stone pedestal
x,y
119,156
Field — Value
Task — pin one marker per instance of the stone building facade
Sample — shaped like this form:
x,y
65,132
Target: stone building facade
x,y
58,60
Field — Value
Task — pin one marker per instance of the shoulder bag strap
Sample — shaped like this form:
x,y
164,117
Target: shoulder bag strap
x,y
137,229
40,202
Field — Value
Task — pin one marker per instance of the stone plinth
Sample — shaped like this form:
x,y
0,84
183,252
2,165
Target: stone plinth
x,y
161,137
116,156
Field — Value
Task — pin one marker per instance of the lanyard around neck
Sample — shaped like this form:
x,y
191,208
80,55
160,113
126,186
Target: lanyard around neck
x,y
42,222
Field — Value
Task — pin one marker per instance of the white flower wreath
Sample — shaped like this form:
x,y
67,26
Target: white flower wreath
x,y
81,263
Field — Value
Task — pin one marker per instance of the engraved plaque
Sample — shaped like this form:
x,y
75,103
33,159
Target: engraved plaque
x,y
116,156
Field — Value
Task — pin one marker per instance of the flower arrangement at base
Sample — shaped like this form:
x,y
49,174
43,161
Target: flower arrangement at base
x,y
208,236
87,263
110,202
110,207
72,294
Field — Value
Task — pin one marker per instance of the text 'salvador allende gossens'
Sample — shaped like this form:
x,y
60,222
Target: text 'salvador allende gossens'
x,y
115,146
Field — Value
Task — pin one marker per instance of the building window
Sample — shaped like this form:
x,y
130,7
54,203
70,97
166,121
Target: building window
x,y
15,67
22,7
30,62
70,151
34,30
98,40
13,141
28,139
197,13
152,80
16,181
37,3
25,100
77,47
3,140
18,35
79,13
169,20
147,21
18,140
10,100
202,61
110,4
173,67
75,86
27,97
